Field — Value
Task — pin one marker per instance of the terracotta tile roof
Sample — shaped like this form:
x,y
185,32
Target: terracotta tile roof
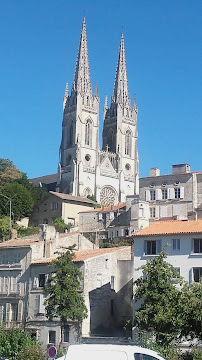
x,y
85,254
107,209
171,227
72,198
20,242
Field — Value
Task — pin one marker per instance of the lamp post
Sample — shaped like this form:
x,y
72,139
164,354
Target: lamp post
x,y
9,213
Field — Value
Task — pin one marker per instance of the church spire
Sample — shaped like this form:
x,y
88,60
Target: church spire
x,y
81,81
65,96
120,93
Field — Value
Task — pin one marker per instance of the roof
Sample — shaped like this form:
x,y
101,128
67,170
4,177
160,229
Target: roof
x,y
171,227
71,197
46,179
83,255
107,208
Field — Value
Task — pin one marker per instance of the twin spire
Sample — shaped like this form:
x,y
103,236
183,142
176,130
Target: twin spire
x,y
82,83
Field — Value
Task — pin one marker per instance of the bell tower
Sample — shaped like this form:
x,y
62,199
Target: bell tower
x,y
79,145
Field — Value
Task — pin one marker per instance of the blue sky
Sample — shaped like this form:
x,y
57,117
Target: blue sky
x,y
39,43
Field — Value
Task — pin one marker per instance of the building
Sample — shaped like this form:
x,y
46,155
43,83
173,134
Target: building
x,y
56,205
182,240
16,256
106,285
173,196
84,169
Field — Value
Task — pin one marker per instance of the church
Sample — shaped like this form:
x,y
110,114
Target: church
x,y
109,173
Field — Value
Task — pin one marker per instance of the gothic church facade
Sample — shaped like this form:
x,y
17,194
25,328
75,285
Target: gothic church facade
x,y
109,173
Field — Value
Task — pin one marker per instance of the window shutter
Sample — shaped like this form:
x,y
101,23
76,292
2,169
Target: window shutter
x,y
6,279
35,282
8,312
181,192
147,195
158,194
157,212
20,309
171,193
145,246
41,304
37,304
158,246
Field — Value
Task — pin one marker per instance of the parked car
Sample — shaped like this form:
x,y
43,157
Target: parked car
x,y
109,352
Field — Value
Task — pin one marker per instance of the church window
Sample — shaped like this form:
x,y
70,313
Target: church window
x,y
128,143
88,133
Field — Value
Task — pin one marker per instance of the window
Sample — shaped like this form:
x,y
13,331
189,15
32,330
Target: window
x,y
17,258
13,284
197,246
113,282
178,270
14,312
42,280
164,194
66,334
87,133
117,233
52,337
197,274
128,143
71,135
54,206
176,244
138,356
152,212
152,247
177,193
5,258
152,195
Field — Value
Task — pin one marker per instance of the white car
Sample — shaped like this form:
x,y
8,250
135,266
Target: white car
x,y
109,352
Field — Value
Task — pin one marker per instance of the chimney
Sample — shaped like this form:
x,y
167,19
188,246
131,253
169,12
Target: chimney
x,y
14,234
180,169
154,172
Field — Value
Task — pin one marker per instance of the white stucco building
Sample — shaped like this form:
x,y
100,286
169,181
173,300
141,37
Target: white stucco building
x,y
84,169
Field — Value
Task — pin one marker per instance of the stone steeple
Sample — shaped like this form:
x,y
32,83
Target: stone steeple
x,y
81,83
120,92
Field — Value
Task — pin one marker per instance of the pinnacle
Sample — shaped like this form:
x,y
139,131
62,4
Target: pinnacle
x,y
120,92
81,81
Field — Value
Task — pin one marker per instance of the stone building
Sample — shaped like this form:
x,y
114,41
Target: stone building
x,y
56,205
106,285
177,195
84,169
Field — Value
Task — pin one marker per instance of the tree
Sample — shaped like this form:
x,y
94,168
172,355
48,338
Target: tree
x,y
4,225
62,290
8,171
161,311
22,200
60,225
17,344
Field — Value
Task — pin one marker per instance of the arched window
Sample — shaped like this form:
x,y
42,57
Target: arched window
x,y
88,133
128,143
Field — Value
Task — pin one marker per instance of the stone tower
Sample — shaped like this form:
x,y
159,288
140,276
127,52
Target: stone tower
x,y
80,128
109,174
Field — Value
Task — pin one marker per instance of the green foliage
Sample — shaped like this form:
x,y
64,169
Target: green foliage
x,y
36,192
16,344
91,197
4,225
60,225
64,300
35,352
22,231
60,352
161,312
192,311
22,201
8,171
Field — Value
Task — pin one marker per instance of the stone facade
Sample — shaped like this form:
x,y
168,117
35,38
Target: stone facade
x,y
109,174
177,195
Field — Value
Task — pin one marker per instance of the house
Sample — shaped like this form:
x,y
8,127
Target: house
x,y
57,205
106,288
173,196
16,257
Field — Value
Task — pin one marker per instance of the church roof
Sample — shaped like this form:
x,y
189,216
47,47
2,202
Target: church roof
x,y
46,179
171,227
